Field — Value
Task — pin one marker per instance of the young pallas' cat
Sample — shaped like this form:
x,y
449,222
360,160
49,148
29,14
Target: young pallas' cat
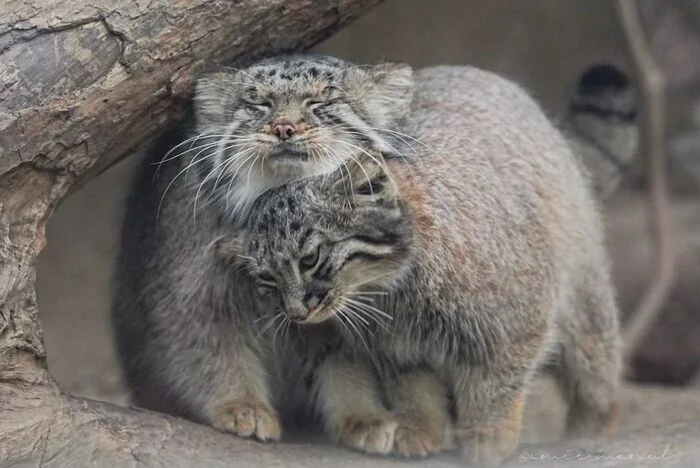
x,y
424,296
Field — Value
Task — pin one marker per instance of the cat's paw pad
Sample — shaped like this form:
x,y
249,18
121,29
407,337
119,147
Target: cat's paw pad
x,y
372,434
414,441
248,418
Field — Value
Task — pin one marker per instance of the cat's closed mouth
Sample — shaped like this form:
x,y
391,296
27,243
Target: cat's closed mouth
x,y
288,149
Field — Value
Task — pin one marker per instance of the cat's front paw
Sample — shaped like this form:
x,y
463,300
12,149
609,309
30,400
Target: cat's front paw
x,y
370,433
412,440
488,446
248,418
587,422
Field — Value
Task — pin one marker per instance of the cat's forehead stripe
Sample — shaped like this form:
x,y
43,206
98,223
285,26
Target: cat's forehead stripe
x,y
295,68
304,237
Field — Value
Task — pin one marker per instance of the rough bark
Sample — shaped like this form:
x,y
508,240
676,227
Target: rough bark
x,y
53,430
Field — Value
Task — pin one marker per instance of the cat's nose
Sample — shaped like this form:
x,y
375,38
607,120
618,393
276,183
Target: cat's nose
x,y
296,310
283,129
313,299
297,315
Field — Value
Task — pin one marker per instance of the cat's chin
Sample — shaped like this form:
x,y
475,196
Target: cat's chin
x,y
287,169
289,151
292,161
317,317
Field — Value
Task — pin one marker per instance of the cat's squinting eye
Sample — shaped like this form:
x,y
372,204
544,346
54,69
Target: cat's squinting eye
x,y
261,104
323,98
312,102
374,187
328,89
307,262
267,279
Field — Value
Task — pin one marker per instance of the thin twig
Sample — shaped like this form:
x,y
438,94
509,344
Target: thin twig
x,y
653,141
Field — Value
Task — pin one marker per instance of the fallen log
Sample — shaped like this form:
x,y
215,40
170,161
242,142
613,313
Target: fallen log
x,y
53,429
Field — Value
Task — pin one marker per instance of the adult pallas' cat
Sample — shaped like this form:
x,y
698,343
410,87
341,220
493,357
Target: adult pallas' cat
x,y
424,296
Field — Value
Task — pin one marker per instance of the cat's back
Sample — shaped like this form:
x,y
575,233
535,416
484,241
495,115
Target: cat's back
x,y
494,174
471,117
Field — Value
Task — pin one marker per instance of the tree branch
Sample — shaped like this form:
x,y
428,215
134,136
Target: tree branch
x,y
653,142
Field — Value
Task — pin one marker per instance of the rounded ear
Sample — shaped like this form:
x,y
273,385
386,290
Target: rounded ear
x,y
366,177
213,98
386,90
394,78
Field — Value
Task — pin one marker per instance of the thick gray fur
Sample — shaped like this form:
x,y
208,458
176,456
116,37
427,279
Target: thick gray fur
x,y
188,323
489,250
177,312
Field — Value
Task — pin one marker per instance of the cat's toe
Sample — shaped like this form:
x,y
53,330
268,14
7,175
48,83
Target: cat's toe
x,y
248,418
372,434
414,441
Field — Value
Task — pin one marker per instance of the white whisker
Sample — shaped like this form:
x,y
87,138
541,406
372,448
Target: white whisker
x,y
371,293
401,136
369,280
222,164
392,147
232,160
343,313
235,174
269,322
342,163
182,171
369,307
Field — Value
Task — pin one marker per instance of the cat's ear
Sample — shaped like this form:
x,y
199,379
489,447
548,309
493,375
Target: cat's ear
x,y
386,90
214,96
367,178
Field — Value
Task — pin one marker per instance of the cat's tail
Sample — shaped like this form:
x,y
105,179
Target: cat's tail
x,y
601,126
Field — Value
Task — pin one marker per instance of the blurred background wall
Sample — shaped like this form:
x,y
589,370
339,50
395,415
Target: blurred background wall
x,y
543,45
